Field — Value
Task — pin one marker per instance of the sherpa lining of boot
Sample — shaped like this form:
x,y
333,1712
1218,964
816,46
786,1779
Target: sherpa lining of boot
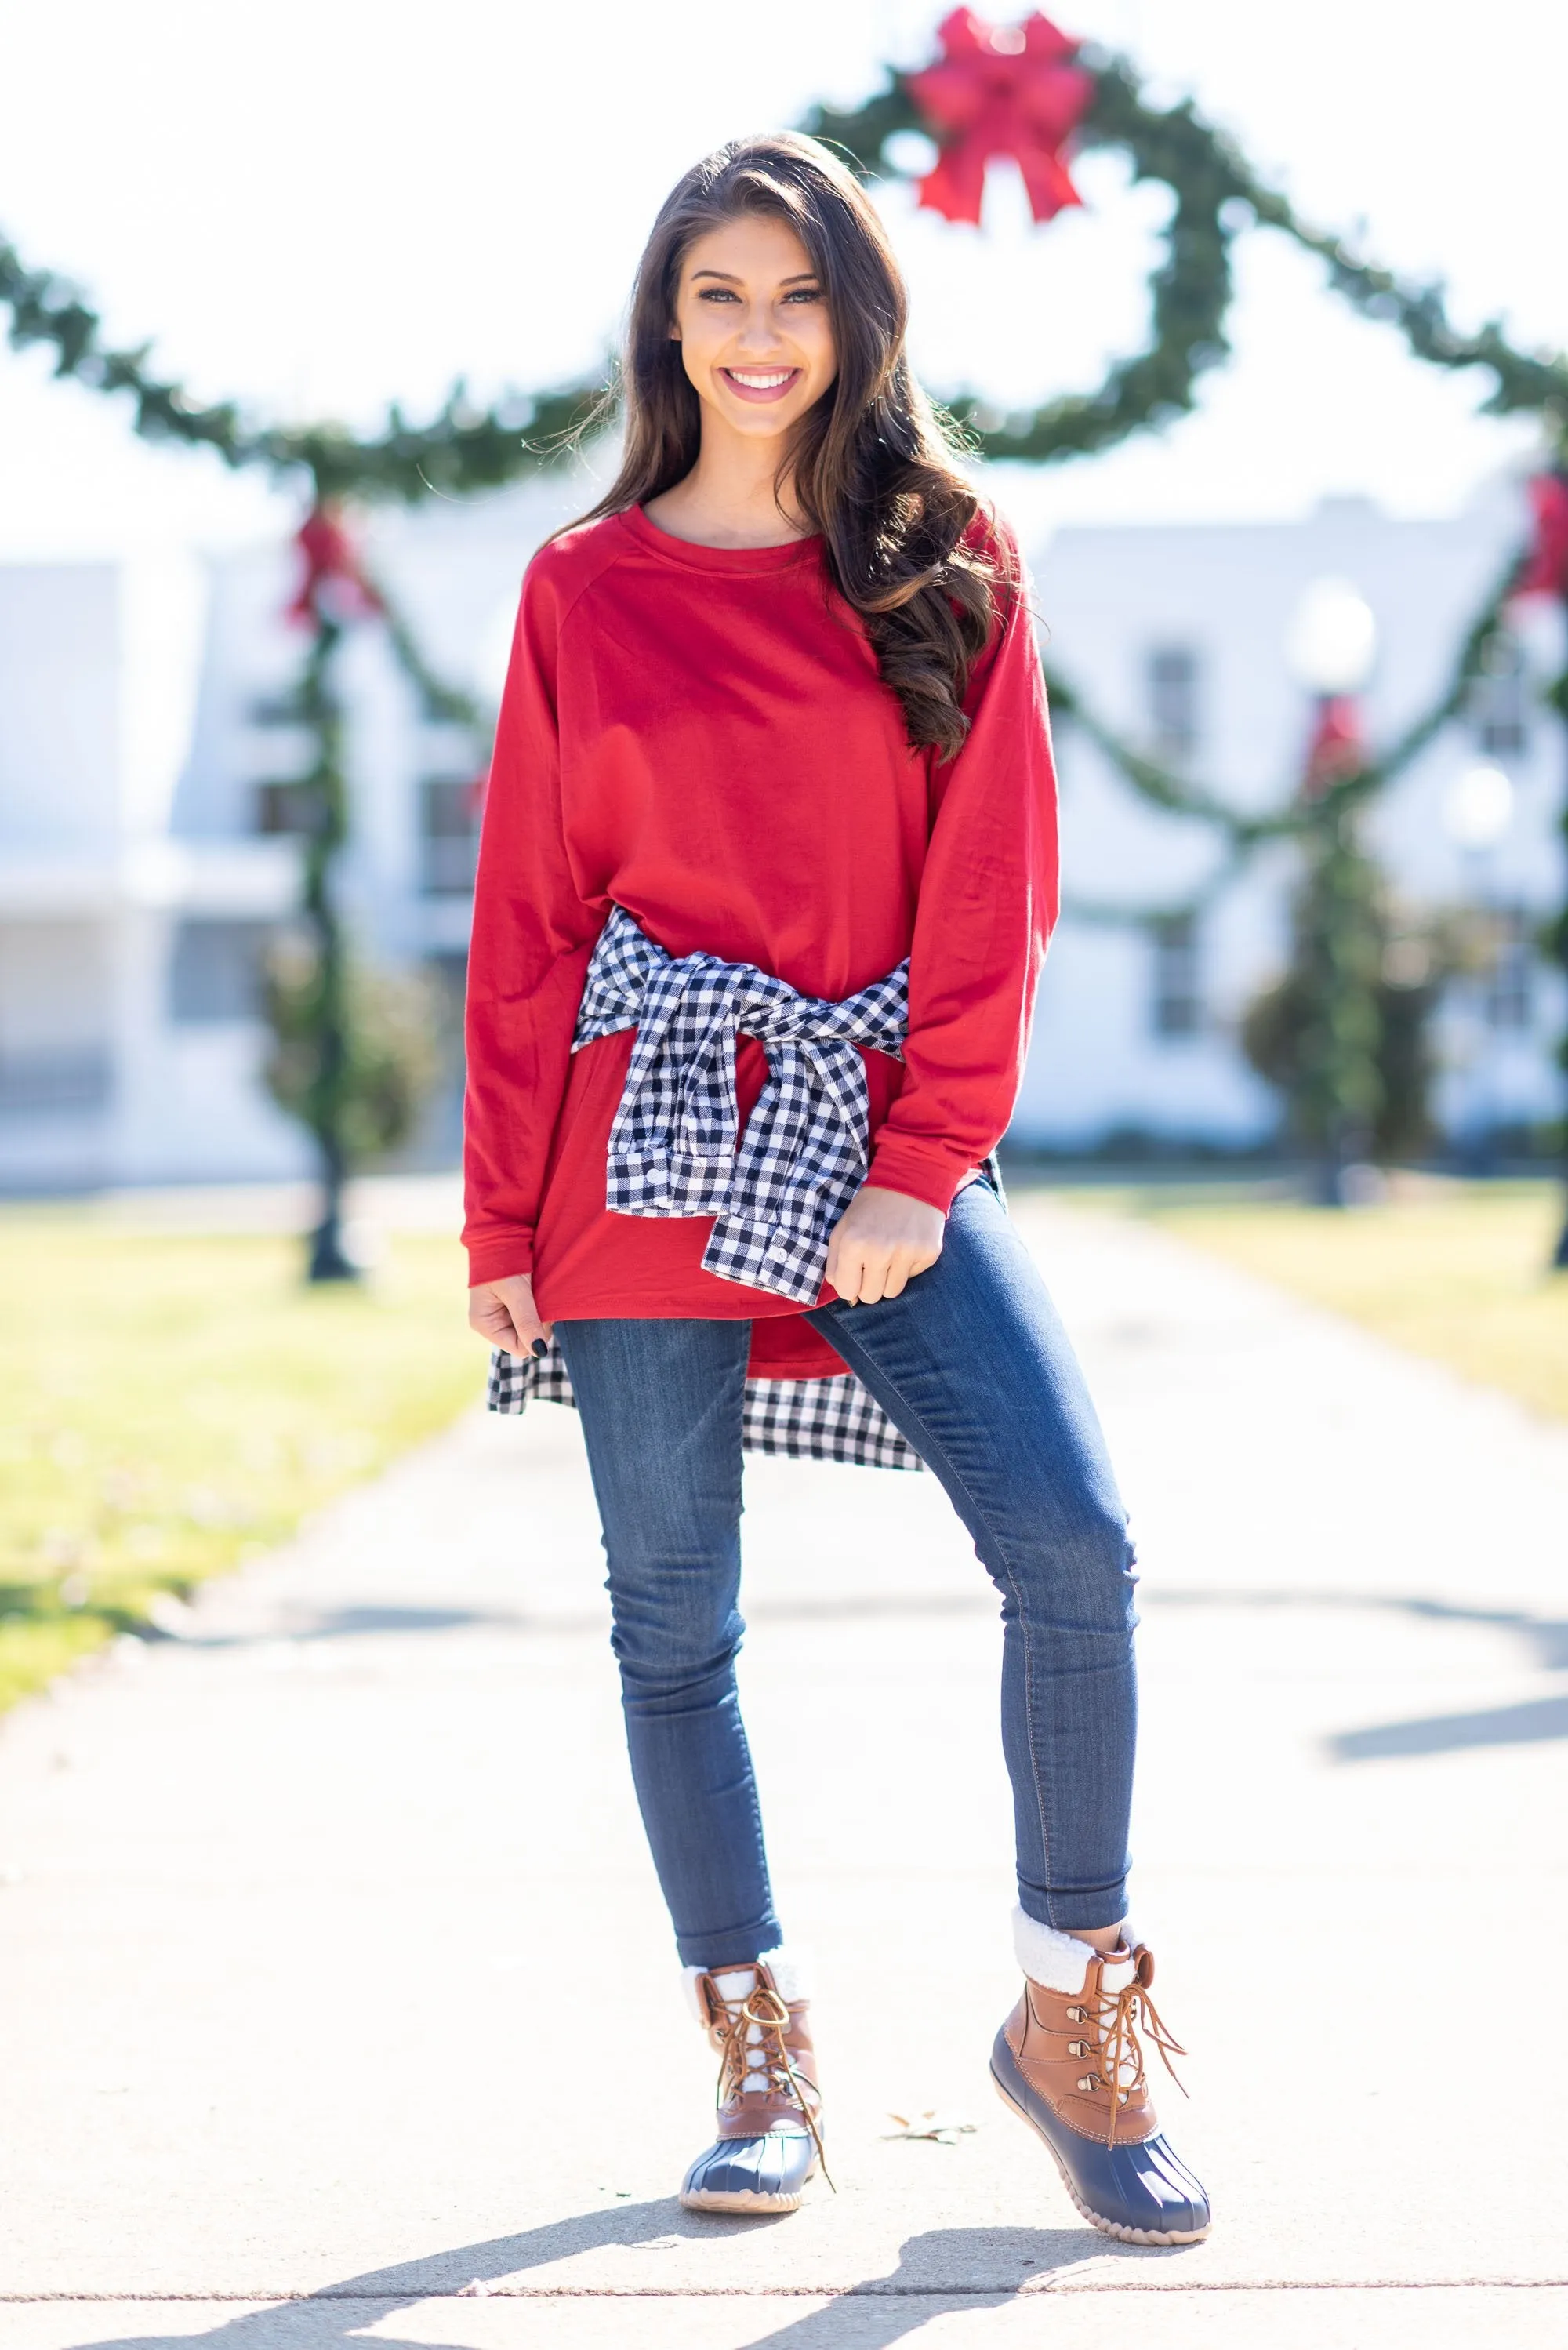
x,y
1056,1961
790,1968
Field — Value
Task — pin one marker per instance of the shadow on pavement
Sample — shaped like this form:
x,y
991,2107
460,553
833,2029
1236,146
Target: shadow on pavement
x,y
346,1624
356,1623
1546,1636
1440,1734
887,2309
880,2310
1528,1723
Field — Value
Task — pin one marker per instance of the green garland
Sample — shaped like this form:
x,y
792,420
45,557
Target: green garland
x,y
316,1009
1160,787
459,451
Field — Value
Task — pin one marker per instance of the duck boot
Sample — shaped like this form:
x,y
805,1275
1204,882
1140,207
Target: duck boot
x,y
1069,2062
769,2108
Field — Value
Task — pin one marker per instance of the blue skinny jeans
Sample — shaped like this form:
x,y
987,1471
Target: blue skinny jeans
x,y
973,1365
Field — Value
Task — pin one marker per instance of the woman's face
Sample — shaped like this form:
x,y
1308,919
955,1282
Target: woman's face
x,y
751,318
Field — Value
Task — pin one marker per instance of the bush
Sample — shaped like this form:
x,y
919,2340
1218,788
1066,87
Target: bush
x,y
354,1051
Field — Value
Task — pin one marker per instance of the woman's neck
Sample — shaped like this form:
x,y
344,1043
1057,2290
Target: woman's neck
x,y
733,496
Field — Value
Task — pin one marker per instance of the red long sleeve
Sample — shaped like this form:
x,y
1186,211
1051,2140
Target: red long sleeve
x,y
989,900
702,735
533,937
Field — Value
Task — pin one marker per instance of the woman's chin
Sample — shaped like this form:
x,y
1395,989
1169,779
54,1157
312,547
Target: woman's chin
x,y
759,423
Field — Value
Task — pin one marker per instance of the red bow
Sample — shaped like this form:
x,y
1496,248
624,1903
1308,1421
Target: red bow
x,y
334,586
1000,89
1338,745
1546,572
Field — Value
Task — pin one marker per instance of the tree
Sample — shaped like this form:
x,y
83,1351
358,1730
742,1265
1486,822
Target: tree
x,y
354,1054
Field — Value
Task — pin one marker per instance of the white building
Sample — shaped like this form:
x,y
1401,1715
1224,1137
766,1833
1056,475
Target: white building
x,y
1177,635
145,855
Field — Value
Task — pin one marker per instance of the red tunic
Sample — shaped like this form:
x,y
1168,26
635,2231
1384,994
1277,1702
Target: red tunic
x,y
700,735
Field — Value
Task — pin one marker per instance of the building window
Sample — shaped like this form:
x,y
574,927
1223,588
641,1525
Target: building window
x,y
56,993
449,837
1500,700
54,1077
284,808
1177,1004
216,972
1170,689
1508,996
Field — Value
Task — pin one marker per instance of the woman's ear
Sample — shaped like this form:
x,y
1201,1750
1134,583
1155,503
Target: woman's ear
x,y
674,332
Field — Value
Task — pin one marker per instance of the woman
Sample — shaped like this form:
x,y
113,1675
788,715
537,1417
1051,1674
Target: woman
x,y
768,866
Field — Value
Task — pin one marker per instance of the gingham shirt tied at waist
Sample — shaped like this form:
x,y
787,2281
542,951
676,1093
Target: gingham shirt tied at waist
x,y
676,1150
774,1201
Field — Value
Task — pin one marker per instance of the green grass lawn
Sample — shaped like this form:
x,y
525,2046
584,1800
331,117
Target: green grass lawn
x,y
170,1405
1456,1271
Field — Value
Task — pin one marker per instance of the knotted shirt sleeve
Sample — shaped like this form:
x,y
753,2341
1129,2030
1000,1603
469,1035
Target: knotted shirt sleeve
x,y
989,900
533,937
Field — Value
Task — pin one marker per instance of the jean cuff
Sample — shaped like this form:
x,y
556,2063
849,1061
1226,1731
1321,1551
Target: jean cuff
x,y
1084,1910
740,1946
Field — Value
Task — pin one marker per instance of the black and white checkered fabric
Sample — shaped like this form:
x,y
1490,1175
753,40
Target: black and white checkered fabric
x,y
799,1419
672,1149
774,1201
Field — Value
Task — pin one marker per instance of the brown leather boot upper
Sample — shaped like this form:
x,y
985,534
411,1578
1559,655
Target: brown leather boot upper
x,y
1080,2050
767,2066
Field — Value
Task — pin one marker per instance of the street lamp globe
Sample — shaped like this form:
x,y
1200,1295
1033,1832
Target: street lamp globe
x,y
1332,640
1477,807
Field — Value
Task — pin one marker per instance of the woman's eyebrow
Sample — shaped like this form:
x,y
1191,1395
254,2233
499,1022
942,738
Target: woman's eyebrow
x,y
801,277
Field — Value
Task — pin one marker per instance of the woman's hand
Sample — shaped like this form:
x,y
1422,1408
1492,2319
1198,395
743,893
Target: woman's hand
x,y
880,1241
503,1313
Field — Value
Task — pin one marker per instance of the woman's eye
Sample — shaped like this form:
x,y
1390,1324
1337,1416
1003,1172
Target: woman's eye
x,y
716,293
805,294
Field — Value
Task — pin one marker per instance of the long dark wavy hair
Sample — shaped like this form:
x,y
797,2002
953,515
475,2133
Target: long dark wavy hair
x,y
870,465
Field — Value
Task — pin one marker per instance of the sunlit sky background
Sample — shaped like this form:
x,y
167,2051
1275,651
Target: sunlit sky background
x,y
321,205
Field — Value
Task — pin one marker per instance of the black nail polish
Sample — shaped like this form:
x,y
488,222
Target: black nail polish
x,y
540,1350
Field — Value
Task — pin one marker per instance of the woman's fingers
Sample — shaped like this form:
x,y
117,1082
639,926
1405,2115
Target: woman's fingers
x,y
503,1313
489,1316
846,1273
864,1275
877,1274
880,1241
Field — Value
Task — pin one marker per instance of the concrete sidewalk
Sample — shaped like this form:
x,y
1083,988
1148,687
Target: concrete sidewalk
x,y
331,1963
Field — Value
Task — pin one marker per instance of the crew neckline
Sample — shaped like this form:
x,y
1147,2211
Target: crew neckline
x,y
782,557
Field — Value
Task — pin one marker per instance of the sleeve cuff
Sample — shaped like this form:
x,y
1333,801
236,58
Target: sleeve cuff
x,y
499,1256
919,1170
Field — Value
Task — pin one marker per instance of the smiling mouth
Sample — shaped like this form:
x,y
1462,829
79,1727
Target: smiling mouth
x,y
761,383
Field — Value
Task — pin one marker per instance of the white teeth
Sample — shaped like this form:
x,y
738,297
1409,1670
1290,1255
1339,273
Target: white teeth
x,y
760,382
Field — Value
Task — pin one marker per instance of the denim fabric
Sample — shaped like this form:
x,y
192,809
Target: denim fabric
x,y
971,1363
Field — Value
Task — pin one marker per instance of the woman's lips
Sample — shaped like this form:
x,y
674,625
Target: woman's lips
x,y
761,384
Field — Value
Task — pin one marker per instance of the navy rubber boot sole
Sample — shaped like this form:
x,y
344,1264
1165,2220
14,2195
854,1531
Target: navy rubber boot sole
x,y
755,2175
1138,2191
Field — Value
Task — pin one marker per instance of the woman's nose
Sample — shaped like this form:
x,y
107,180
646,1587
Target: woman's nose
x,y
758,332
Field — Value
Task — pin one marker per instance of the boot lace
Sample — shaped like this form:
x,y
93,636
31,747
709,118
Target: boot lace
x,y
743,2058
1118,2017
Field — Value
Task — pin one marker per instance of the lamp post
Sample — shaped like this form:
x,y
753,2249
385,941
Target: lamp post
x,y
1478,809
1331,645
